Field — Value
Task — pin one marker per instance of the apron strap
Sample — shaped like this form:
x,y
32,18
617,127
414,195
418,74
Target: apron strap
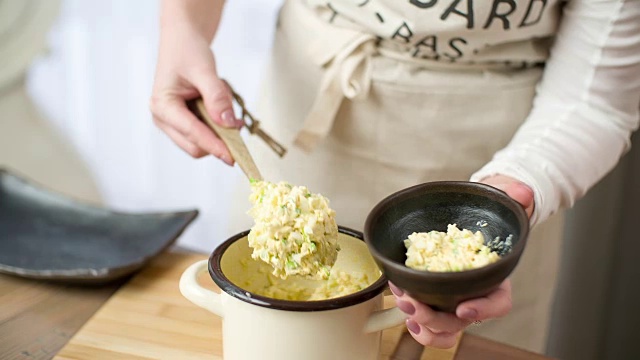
x,y
348,74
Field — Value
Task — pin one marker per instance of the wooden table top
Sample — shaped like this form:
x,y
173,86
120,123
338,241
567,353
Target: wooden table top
x,y
38,319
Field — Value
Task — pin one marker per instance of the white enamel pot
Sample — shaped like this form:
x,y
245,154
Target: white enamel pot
x,y
258,327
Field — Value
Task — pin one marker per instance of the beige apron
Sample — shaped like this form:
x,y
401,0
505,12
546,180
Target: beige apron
x,y
381,123
29,145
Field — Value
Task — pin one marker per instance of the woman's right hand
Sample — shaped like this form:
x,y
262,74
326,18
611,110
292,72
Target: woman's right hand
x,y
186,70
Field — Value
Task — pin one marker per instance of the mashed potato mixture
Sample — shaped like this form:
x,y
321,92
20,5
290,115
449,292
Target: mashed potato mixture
x,y
339,283
295,231
455,250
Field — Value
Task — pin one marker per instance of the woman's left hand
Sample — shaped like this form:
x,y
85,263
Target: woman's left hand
x,y
517,190
440,329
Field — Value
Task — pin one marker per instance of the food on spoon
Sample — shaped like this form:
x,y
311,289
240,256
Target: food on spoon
x,y
295,230
455,250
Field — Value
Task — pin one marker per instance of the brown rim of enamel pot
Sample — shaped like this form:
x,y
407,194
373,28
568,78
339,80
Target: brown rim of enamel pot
x,y
237,292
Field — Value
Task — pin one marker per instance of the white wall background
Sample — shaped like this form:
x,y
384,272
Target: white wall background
x,y
95,86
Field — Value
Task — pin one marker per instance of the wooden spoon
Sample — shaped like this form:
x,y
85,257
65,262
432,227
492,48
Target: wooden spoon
x,y
231,137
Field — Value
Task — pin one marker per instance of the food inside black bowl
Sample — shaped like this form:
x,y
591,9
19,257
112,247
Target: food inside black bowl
x,y
433,207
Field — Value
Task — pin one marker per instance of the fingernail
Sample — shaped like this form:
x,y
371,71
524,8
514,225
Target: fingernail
x,y
406,307
413,326
228,117
395,290
226,158
469,314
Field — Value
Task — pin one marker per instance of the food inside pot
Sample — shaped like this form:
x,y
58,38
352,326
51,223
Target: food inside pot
x,y
295,230
354,270
339,283
455,250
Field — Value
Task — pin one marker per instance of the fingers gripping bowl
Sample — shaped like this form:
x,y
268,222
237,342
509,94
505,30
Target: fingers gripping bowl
x,y
434,206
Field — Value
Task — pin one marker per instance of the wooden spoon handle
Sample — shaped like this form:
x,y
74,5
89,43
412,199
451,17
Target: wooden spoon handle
x,y
231,137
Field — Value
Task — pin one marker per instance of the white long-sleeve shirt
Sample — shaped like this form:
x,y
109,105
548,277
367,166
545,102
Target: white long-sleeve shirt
x,y
586,107
587,104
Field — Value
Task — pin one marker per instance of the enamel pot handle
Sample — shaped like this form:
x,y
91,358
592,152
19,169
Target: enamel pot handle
x,y
384,319
197,294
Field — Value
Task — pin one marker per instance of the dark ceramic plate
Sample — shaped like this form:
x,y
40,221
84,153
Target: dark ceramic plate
x,y
44,235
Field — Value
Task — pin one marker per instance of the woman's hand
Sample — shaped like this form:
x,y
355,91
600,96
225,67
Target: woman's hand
x,y
439,329
517,190
186,70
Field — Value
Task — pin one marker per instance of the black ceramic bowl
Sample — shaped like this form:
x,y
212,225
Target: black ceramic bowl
x,y
432,206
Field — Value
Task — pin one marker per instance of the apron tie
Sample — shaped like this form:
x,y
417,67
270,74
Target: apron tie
x,y
348,75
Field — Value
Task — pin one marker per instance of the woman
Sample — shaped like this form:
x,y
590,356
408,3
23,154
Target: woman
x,y
535,97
